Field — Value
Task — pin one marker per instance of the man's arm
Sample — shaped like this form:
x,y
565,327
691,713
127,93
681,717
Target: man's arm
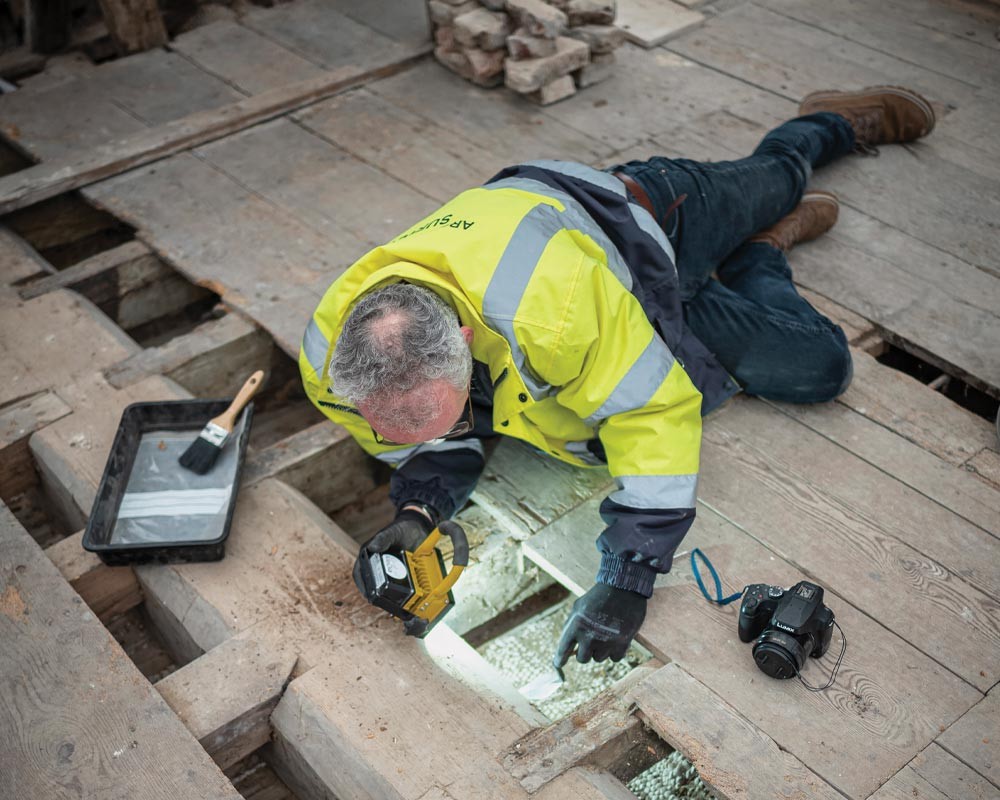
x,y
437,477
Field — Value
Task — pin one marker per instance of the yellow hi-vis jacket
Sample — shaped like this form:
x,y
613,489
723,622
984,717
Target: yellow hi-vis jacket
x,y
571,355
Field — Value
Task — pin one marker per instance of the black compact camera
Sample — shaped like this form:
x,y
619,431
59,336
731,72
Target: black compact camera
x,y
788,625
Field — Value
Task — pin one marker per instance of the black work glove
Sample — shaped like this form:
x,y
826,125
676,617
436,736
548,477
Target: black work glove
x,y
407,531
602,625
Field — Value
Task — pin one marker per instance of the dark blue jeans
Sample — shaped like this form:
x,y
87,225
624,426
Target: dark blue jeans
x,y
767,337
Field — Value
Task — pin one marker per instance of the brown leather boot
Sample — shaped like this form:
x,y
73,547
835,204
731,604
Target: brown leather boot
x,y
878,114
812,217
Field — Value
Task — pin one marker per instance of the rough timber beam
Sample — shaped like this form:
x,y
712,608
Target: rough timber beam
x,y
47,180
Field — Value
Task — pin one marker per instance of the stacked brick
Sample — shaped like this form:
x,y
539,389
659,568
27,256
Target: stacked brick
x,y
544,49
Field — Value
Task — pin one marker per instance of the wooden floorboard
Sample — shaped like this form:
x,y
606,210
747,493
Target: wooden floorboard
x,y
262,260
732,756
919,569
951,486
791,58
237,54
889,701
348,200
318,32
937,775
868,496
882,27
974,740
499,122
78,718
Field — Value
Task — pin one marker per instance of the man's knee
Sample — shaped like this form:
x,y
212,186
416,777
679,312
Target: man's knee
x,y
816,371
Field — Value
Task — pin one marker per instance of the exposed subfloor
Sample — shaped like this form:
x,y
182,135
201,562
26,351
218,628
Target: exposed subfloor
x,y
213,259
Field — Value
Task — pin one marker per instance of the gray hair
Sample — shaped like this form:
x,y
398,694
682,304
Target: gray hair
x,y
396,338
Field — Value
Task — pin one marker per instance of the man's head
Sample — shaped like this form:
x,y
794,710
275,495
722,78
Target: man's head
x,y
403,359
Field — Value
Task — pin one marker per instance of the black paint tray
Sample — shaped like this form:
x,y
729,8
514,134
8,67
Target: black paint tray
x,y
148,507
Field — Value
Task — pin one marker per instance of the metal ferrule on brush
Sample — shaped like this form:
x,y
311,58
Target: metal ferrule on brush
x,y
214,434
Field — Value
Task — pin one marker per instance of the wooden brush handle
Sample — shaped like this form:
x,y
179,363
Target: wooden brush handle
x,y
227,419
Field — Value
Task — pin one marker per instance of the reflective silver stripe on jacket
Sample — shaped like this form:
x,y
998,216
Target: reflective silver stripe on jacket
x,y
397,458
640,383
315,345
608,181
510,279
656,491
574,218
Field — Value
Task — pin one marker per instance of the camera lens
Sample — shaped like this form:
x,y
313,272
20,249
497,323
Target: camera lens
x,y
778,654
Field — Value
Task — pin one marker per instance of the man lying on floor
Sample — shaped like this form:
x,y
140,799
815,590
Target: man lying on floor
x,y
575,309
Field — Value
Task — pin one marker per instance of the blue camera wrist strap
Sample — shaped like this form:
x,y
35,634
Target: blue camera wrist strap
x,y
719,599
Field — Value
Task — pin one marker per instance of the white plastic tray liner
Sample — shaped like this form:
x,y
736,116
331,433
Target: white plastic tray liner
x,y
163,502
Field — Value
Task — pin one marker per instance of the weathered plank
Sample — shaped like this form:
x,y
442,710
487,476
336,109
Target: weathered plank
x,y
732,756
793,59
71,171
649,23
527,490
109,591
919,569
403,144
936,775
402,22
243,58
906,36
934,200
951,486
225,698
322,461
18,260
584,783
353,726
61,331
503,124
317,31
134,25
909,408
78,718
21,418
208,361
80,276
305,174
263,261
889,700
585,736
986,465
973,739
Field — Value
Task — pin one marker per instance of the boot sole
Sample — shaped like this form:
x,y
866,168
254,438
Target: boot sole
x,y
820,197
871,91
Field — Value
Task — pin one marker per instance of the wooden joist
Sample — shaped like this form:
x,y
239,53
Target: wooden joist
x,y
225,698
76,712
83,275
128,283
322,461
602,733
18,260
973,739
735,758
208,361
109,591
62,175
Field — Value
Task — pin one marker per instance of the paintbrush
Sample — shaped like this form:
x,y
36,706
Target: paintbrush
x,y
201,455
